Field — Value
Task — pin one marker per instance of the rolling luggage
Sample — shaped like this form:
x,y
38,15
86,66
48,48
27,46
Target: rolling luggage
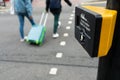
x,y
37,32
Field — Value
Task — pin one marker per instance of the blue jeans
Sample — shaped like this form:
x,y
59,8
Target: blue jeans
x,y
21,17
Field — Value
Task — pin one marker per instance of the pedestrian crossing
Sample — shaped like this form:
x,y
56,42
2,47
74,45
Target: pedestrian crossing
x,y
4,10
53,71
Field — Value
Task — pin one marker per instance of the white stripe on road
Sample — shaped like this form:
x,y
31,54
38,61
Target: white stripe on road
x,y
72,15
53,71
59,55
69,22
65,34
67,27
62,43
71,18
73,11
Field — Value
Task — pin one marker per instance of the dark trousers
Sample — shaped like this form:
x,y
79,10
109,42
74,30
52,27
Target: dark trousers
x,y
56,19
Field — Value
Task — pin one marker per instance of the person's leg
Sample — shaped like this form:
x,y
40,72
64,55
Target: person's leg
x,y
31,20
56,19
21,27
4,3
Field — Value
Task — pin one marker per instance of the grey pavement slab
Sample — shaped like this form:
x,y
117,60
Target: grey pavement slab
x,y
23,71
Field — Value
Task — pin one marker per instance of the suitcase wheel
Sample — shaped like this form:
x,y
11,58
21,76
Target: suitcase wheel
x,y
37,42
27,40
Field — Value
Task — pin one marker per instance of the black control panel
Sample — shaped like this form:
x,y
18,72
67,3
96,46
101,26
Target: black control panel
x,y
87,29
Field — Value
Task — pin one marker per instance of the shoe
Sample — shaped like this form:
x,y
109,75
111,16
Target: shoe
x,y
56,35
25,38
59,24
22,40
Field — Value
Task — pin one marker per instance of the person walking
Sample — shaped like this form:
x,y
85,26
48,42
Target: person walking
x,y
23,8
55,8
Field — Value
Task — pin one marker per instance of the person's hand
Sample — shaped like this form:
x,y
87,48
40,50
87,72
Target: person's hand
x,y
71,4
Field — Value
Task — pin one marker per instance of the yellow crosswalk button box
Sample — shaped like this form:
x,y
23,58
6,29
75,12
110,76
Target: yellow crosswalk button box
x,y
94,29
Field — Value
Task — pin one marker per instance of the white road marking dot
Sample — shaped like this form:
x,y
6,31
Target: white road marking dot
x,y
69,22
72,15
53,71
62,43
59,55
68,27
71,18
74,11
65,34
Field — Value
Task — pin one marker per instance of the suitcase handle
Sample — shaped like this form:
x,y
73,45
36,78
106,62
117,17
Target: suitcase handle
x,y
45,20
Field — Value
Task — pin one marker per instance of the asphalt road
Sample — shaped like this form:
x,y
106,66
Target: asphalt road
x,y
22,61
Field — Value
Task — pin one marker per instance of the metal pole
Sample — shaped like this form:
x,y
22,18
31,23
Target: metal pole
x,y
109,66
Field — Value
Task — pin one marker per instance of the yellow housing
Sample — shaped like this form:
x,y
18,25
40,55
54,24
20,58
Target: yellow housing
x,y
107,28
